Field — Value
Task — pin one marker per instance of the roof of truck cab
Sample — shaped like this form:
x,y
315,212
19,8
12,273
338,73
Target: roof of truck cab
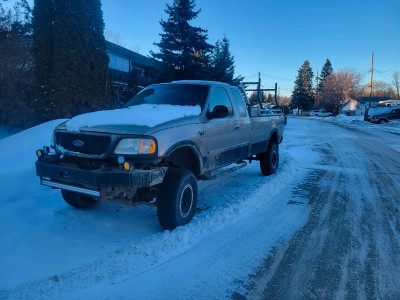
x,y
202,82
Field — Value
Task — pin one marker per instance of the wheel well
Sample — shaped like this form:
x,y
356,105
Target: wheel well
x,y
274,138
185,157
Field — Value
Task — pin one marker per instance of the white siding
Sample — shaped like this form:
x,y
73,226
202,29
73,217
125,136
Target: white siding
x,y
118,63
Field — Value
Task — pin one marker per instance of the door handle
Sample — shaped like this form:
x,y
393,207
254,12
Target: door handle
x,y
237,126
201,132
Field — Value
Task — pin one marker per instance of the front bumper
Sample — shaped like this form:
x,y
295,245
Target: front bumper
x,y
72,178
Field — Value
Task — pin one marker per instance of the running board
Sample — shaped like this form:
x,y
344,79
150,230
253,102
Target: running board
x,y
71,188
222,172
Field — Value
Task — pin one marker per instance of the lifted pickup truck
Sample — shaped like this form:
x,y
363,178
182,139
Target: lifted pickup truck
x,y
134,161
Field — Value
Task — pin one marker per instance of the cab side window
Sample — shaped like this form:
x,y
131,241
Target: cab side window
x,y
239,102
220,97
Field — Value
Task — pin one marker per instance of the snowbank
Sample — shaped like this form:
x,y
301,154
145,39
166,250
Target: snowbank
x,y
358,121
42,236
6,131
148,115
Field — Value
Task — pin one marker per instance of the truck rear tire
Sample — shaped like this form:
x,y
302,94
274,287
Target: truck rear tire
x,y
177,198
269,160
78,200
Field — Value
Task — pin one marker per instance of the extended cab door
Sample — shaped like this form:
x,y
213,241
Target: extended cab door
x,y
244,131
221,133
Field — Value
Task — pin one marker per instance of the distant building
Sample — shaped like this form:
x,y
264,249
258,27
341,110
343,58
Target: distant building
x,y
124,63
363,103
358,107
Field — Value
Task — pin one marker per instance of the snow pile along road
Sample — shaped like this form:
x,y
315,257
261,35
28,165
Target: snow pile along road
x,y
358,121
90,251
148,115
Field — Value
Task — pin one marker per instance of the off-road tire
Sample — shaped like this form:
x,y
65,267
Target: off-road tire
x,y
177,198
269,161
78,200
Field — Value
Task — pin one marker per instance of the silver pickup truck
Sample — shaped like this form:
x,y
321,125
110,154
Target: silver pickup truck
x,y
159,165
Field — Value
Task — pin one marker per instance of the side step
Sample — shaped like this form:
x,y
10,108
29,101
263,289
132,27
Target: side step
x,y
222,172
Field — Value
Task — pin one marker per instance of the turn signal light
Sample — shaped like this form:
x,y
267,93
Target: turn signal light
x,y
127,166
39,153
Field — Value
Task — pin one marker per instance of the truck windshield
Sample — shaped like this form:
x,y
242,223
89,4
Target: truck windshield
x,y
173,94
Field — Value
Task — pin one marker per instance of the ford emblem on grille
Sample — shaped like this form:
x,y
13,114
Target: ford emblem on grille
x,y
78,143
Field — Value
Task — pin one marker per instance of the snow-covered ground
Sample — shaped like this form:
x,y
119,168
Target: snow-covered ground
x,y
48,249
393,125
6,131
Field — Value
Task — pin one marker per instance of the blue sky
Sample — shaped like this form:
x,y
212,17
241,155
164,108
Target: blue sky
x,y
275,37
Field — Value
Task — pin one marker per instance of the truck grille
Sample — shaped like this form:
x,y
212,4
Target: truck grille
x,y
82,143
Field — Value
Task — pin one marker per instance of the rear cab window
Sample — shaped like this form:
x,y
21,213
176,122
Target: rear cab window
x,y
239,102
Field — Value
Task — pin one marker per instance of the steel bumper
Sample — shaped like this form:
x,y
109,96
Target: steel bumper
x,y
61,176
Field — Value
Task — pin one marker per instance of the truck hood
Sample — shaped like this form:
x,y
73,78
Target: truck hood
x,y
113,129
131,119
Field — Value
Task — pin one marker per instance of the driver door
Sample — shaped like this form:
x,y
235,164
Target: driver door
x,y
222,134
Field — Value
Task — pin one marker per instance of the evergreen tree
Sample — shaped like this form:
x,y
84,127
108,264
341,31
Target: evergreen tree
x,y
302,96
326,71
183,49
16,66
70,57
222,62
42,52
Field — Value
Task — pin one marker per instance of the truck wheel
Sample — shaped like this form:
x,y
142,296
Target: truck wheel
x,y
177,199
269,160
382,121
78,200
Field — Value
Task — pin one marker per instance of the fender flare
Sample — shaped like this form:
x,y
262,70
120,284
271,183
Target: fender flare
x,y
191,145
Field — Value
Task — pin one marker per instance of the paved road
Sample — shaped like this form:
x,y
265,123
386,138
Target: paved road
x,y
349,248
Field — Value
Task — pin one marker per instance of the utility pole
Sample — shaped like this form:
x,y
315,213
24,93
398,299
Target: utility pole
x,y
316,91
259,90
370,84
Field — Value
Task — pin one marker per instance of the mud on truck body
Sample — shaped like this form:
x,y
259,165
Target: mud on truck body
x,y
160,165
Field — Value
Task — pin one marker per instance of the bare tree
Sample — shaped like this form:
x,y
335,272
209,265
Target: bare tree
x,y
381,89
113,37
339,88
396,83
284,100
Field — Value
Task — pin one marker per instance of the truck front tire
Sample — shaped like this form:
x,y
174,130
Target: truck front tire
x,y
177,198
269,160
78,200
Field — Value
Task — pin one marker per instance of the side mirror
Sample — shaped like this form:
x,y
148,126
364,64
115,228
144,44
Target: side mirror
x,y
219,112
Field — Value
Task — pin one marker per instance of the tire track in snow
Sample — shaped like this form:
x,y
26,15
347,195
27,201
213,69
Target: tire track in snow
x,y
349,247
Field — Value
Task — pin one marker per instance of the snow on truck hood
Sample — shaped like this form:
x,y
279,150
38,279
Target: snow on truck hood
x,y
148,115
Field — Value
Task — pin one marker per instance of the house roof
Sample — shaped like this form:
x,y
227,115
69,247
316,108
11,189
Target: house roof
x,y
136,58
373,99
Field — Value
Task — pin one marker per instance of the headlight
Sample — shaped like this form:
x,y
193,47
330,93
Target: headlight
x,y
136,146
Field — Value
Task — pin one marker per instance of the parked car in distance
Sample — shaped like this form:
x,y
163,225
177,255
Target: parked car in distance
x,y
321,113
383,115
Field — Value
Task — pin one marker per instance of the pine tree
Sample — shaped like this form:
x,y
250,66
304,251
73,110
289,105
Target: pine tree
x,y
183,49
302,96
42,52
70,57
326,71
222,62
